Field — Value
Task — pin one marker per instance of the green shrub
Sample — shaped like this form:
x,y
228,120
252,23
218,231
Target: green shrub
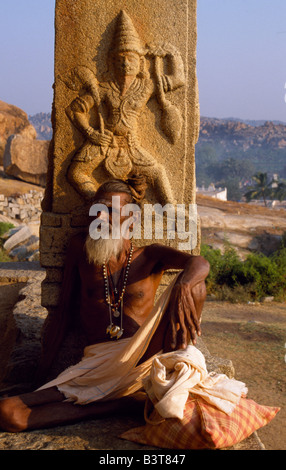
x,y
226,267
258,276
4,257
283,240
5,227
266,274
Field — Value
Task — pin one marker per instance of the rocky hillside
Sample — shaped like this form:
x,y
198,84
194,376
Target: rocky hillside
x,y
231,134
229,152
42,124
247,227
259,146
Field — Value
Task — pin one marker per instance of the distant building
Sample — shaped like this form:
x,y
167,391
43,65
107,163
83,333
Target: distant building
x,y
212,191
275,180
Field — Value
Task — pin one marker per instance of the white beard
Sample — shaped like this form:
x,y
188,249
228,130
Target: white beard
x,y
100,251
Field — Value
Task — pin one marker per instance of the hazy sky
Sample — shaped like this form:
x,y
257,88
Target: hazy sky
x,y
241,56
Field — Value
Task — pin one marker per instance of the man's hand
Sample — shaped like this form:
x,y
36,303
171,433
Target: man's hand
x,y
184,319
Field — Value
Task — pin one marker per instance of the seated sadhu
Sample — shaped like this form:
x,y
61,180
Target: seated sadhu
x,y
124,330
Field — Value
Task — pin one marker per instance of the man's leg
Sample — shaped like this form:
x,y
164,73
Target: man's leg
x,y
48,408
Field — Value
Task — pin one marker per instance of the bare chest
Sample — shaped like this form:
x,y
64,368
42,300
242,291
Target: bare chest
x,y
135,291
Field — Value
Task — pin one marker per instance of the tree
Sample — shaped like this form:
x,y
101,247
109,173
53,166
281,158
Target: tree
x,y
283,172
233,189
205,158
229,173
262,188
230,169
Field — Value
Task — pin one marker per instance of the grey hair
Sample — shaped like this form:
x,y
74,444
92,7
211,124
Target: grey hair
x,y
114,186
135,187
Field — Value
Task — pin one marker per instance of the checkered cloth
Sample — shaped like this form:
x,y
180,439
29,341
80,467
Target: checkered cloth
x,y
203,426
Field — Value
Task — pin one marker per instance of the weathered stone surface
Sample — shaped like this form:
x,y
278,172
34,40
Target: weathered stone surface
x,y
52,260
55,241
13,121
51,220
28,316
50,294
26,158
84,39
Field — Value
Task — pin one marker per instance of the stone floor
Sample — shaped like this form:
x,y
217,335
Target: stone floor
x,y
92,435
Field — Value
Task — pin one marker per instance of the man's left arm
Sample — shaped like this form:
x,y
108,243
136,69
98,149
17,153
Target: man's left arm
x,y
184,314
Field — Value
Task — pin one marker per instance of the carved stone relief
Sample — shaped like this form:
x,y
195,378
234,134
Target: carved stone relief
x,y
139,73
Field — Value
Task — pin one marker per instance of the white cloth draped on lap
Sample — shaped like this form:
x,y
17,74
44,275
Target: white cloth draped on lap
x,y
109,370
174,375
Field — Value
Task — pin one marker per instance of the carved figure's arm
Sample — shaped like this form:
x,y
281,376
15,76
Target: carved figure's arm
x,y
81,79
167,57
78,111
175,76
78,114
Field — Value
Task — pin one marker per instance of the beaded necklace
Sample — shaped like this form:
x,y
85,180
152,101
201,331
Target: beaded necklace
x,y
115,307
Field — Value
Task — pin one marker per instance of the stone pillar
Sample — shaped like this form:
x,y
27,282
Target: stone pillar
x,y
99,131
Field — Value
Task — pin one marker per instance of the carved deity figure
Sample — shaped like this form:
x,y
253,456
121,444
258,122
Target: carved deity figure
x,y
119,103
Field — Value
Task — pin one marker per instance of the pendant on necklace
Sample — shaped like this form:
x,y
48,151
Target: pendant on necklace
x,y
116,313
113,330
120,333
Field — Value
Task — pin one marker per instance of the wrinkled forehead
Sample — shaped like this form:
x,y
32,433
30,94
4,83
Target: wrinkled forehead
x,y
113,199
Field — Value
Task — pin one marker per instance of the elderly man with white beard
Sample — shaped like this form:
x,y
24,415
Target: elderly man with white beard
x,y
117,282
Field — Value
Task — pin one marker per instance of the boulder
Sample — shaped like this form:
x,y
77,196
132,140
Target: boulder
x,y
236,239
22,243
265,243
26,158
20,253
17,236
13,121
